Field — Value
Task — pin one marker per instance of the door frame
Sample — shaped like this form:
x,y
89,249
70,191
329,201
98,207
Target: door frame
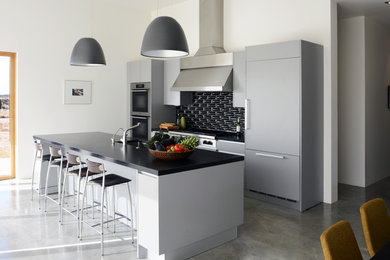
x,y
12,112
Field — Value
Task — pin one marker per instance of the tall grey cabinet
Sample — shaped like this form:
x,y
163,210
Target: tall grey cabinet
x,y
151,72
284,123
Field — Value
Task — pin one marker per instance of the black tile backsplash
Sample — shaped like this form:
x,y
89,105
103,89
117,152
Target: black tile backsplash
x,y
212,111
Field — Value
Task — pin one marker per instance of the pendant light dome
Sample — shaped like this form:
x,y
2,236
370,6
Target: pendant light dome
x,y
164,38
87,52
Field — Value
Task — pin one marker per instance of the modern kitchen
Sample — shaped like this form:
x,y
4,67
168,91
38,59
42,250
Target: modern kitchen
x,y
189,129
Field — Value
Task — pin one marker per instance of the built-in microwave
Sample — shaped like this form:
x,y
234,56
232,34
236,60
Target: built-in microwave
x,y
141,99
142,132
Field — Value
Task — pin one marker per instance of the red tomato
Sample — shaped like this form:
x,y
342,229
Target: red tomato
x,y
185,149
179,148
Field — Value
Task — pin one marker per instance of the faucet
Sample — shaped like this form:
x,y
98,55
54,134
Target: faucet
x,y
113,136
123,139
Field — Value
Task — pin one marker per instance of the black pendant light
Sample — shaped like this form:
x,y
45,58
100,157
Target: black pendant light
x,y
164,38
87,52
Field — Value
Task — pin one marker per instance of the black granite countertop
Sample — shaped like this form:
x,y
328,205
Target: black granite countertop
x,y
99,145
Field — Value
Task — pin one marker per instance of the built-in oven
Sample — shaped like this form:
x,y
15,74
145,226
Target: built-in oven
x,y
142,132
141,99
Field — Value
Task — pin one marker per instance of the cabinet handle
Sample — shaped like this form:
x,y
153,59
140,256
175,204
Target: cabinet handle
x,y
271,155
247,115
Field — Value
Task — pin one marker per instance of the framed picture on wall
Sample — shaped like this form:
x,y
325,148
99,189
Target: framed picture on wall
x,y
77,92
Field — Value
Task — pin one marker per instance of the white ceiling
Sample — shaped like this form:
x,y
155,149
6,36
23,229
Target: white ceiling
x,y
371,8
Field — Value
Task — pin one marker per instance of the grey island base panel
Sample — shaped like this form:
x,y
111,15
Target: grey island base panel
x,y
183,208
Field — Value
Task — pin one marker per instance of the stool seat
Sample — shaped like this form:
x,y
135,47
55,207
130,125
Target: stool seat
x,y
45,157
58,163
83,172
111,180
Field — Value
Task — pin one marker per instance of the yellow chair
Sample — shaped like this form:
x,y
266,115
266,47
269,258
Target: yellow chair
x,y
339,242
376,224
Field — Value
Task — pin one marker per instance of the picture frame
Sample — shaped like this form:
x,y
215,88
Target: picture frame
x,y
77,92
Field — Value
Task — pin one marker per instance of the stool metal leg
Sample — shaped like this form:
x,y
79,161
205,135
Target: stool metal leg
x,y
78,206
74,191
113,205
102,221
107,206
63,192
59,190
39,183
47,183
82,208
33,175
131,213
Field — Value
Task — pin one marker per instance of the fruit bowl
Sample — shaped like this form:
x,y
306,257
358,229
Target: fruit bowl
x,y
170,156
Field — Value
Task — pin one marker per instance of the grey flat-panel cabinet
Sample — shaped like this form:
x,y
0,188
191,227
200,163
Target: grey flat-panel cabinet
x,y
139,71
273,105
275,171
171,72
284,123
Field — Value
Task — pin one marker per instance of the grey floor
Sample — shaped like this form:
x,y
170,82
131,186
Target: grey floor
x,y
269,232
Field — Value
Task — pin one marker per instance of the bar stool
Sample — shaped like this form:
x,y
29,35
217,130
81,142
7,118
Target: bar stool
x,y
40,157
80,171
105,181
58,161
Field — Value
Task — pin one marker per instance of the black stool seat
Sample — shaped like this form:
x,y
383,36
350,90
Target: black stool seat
x,y
45,157
111,180
58,163
74,164
83,172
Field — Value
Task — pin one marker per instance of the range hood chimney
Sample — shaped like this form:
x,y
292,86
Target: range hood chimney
x,y
211,67
210,27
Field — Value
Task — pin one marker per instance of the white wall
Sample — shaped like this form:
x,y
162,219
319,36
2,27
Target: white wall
x,y
377,51
364,75
43,33
253,22
351,101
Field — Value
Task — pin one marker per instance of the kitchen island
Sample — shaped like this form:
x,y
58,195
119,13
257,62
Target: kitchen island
x,y
182,207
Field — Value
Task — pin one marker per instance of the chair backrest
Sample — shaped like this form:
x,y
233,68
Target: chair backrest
x,y
376,224
38,146
55,152
339,242
73,159
95,167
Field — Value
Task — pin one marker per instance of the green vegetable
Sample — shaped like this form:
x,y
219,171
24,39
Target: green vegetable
x,y
158,137
190,142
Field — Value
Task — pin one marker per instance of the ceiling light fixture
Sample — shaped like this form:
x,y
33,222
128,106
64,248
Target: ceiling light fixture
x,y
164,38
87,51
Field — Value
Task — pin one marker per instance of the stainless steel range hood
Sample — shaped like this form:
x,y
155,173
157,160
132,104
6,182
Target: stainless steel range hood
x,y
211,68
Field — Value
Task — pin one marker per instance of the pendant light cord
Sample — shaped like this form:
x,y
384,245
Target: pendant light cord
x,y
91,18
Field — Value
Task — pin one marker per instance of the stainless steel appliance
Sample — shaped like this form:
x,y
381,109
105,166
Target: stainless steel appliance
x,y
211,67
140,109
284,117
142,132
141,99
206,141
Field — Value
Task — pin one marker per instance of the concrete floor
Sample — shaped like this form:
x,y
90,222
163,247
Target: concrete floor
x,y
269,232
